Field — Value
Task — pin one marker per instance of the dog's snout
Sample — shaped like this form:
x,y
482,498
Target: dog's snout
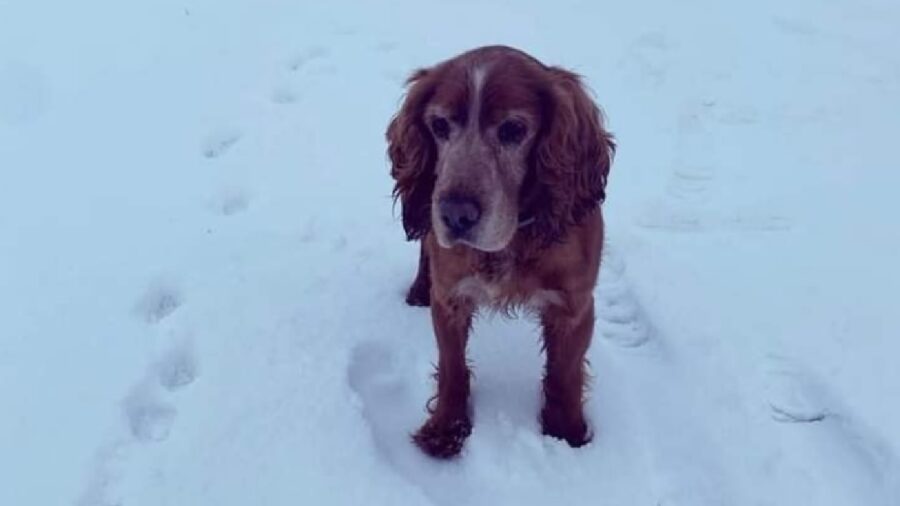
x,y
459,213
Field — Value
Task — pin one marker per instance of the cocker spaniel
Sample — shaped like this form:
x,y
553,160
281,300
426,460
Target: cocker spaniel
x,y
500,164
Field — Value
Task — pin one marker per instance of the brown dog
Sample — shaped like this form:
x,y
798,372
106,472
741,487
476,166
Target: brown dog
x,y
500,165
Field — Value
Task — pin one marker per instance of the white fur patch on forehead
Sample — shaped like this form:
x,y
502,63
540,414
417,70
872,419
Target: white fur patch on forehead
x,y
479,76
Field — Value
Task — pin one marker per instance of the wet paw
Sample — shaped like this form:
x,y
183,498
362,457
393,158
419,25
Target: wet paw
x,y
574,432
442,439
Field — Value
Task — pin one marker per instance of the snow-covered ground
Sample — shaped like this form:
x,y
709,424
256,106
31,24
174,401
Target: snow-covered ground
x,y
201,274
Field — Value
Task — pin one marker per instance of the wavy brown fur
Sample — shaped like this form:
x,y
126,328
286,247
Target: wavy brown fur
x,y
550,265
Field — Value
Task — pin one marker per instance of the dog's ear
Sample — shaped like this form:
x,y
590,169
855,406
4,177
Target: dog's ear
x,y
412,153
572,158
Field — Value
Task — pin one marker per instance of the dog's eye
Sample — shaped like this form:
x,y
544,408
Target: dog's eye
x,y
441,128
511,132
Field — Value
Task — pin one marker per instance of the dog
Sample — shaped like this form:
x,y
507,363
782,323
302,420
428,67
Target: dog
x,y
500,165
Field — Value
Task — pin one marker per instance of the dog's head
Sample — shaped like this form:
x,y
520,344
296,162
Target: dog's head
x,y
493,141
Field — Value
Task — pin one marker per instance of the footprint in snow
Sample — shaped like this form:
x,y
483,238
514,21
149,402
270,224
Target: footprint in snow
x,y
284,95
103,477
691,184
620,317
838,449
149,419
232,201
392,411
158,303
793,397
683,205
149,416
660,214
373,375
303,58
220,142
694,169
176,369
646,59
313,60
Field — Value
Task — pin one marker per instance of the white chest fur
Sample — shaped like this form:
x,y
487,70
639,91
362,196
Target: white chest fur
x,y
499,294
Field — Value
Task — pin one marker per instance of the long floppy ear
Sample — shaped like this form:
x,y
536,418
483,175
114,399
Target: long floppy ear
x,y
572,158
412,154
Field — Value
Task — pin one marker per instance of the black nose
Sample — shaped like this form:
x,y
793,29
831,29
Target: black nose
x,y
459,213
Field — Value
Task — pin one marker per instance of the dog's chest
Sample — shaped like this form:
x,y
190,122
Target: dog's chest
x,y
495,268
500,283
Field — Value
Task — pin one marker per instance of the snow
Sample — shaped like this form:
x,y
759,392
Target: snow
x,y
202,274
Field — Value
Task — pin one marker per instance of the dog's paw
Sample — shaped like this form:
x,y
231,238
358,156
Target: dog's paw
x,y
418,295
443,439
573,431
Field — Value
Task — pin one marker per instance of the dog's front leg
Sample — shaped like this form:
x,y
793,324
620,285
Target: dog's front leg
x,y
449,425
567,336
419,292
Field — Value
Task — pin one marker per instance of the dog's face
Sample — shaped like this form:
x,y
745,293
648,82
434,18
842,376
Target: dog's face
x,y
483,123
493,139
